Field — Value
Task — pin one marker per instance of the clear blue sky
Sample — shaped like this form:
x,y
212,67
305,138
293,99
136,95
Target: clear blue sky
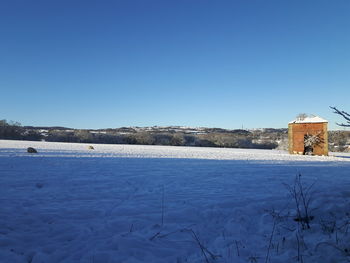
x,y
99,64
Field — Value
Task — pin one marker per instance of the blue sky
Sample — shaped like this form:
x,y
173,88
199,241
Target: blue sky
x,y
228,64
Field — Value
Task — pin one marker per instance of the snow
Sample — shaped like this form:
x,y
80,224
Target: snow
x,y
131,203
309,119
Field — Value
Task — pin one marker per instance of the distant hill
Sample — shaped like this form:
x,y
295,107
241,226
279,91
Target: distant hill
x,y
46,128
266,138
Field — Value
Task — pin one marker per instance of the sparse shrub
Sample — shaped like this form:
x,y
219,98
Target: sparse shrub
x,y
302,198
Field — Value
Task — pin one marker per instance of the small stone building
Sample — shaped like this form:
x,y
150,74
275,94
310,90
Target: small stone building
x,y
308,135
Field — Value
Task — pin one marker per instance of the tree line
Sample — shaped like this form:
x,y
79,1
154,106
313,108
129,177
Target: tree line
x,y
213,137
210,138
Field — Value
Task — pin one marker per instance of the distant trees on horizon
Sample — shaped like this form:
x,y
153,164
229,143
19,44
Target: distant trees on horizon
x,y
14,131
211,137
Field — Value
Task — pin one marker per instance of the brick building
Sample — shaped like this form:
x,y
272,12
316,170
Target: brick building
x,y
308,136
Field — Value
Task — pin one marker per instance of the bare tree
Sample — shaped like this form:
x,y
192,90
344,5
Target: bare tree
x,y
344,114
310,141
301,116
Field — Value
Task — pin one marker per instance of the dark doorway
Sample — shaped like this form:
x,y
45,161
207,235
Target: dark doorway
x,y
308,144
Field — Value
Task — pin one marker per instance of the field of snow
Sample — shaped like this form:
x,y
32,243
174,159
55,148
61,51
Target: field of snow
x,y
130,203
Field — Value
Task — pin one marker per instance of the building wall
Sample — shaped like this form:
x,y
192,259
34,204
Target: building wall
x,y
297,131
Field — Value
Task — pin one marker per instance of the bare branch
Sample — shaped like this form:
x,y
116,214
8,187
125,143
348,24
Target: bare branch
x,y
344,114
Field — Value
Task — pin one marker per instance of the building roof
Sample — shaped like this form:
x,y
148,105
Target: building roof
x,y
309,119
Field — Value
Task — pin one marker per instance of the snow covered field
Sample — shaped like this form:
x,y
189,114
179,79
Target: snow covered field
x,y
128,203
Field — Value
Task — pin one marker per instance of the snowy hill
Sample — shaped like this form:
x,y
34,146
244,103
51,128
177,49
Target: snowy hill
x,y
129,203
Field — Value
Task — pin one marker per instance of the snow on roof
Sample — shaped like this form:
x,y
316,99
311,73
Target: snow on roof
x,y
309,119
